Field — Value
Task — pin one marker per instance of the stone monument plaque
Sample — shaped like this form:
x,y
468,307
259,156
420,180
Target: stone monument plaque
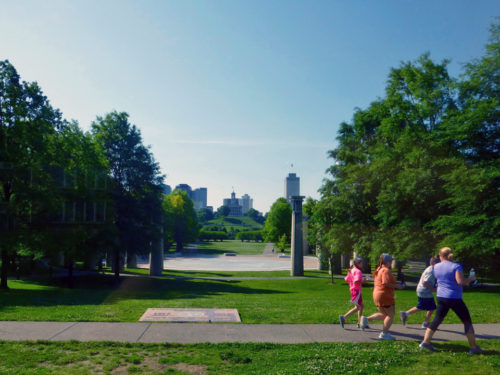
x,y
190,315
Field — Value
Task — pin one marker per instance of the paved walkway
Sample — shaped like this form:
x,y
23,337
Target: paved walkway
x,y
216,333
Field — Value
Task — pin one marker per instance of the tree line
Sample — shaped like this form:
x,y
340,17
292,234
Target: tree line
x,y
69,195
419,168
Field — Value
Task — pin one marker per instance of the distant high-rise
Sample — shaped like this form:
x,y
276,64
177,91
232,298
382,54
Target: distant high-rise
x,y
246,203
199,197
292,186
186,188
166,189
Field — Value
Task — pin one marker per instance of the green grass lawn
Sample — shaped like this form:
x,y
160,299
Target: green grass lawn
x,y
239,223
319,358
231,246
310,300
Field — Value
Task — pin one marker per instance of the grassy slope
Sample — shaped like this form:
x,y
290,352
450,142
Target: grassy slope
x,y
240,223
311,300
319,358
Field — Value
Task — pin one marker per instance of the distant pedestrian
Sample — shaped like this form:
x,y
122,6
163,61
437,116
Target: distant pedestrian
x,y
355,279
425,288
450,279
383,296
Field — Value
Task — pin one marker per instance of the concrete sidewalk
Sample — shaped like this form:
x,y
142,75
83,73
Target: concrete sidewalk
x,y
216,333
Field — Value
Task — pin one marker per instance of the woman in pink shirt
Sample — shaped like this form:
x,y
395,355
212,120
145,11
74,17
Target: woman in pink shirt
x,y
355,279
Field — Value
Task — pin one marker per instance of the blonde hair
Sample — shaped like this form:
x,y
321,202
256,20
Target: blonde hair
x,y
446,253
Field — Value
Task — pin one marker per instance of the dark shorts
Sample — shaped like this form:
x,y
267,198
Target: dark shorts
x,y
426,304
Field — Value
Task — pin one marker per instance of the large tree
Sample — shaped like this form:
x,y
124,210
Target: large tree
x,y
419,167
136,177
28,124
279,221
81,175
472,222
181,223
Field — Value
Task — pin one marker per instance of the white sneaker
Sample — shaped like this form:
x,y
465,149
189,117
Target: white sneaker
x,y
364,322
386,336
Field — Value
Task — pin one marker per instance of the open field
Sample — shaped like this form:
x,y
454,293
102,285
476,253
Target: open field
x,y
333,358
310,300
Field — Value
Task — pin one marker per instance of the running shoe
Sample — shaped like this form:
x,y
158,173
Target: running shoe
x,y
476,350
342,320
403,316
425,325
423,345
386,336
364,322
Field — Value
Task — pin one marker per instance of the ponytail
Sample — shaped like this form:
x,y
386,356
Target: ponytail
x,y
446,253
380,265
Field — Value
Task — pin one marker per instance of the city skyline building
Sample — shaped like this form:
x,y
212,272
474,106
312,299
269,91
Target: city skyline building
x,y
186,188
235,209
246,203
167,189
198,195
238,206
292,186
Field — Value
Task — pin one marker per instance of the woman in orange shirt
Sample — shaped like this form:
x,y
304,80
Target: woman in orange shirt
x,y
383,296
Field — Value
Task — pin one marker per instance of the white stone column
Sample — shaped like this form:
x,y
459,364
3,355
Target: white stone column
x,y
156,258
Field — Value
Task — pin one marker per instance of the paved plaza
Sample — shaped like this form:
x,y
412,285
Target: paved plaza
x,y
205,262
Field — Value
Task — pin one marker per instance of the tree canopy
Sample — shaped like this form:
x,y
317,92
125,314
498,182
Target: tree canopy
x,y
279,221
181,224
137,184
419,168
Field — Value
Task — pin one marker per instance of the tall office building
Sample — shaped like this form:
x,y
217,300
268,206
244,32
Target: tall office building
x,y
167,190
246,203
199,197
292,186
186,188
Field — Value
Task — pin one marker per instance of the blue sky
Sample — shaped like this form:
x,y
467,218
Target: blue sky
x,y
230,93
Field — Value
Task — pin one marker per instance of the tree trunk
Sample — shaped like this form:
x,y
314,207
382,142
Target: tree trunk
x,y
5,254
331,267
116,263
70,274
5,264
131,258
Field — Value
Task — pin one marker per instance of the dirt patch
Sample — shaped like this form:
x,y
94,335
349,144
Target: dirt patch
x,y
120,370
153,364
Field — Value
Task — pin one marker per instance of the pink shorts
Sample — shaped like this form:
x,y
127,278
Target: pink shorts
x,y
357,299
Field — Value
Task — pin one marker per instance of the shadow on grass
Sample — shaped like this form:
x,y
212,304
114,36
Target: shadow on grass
x,y
478,336
457,348
95,289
